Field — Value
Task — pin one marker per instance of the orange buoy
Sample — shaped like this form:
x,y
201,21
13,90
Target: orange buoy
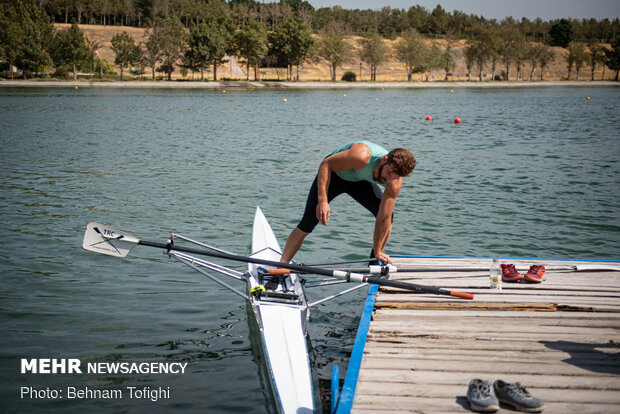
x,y
429,118
588,98
457,120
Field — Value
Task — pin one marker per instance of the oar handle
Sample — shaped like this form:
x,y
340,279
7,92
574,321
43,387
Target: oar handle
x,y
279,271
461,295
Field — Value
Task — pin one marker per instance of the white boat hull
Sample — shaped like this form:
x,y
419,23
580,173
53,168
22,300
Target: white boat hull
x,y
282,315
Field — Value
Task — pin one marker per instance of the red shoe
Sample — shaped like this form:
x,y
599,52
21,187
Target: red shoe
x,y
535,274
510,274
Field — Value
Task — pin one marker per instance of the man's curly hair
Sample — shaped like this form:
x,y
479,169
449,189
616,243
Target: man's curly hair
x,y
402,160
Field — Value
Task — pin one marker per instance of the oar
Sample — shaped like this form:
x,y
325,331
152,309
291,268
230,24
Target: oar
x,y
377,280
107,240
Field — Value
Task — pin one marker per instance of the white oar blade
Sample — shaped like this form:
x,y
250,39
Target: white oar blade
x,y
104,239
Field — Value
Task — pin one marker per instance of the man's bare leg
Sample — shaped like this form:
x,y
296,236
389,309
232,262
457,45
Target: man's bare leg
x,y
293,244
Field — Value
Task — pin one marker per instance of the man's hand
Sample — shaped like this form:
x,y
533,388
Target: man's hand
x,y
383,257
322,212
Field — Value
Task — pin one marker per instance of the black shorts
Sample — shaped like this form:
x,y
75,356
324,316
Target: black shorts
x,y
366,193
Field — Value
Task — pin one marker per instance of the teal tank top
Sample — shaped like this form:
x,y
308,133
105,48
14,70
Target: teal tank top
x,y
365,174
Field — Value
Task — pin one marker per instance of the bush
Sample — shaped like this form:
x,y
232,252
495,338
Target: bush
x,y
349,76
62,71
108,68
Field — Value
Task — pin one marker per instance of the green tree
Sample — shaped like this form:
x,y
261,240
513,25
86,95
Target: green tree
x,y
152,50
198,54
10,36
447,62
577,56
596,56
334,49
561,33
126,51
70,48
612,56
217,41
410,50
438,21
470,59
431,61
170,38
483,47
513,44
92,48
546,55
496,45
292,41
374,52
539,55
25,36
522,51
251,45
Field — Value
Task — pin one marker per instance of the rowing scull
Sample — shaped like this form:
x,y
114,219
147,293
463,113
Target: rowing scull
x,y
281,309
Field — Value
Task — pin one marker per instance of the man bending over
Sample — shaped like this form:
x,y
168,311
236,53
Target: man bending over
x,y
355,169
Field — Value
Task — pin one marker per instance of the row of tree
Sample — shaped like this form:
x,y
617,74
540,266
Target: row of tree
x,y
27,38
387,21
491,46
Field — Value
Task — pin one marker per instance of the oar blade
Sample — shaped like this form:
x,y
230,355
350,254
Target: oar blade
x,y
104,239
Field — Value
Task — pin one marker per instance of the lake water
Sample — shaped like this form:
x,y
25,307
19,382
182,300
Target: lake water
x,y
530,172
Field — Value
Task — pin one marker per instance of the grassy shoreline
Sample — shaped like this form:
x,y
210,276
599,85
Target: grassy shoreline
x,y
297,85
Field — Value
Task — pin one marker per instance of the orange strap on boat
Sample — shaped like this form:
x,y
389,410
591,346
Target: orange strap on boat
x,y
279,271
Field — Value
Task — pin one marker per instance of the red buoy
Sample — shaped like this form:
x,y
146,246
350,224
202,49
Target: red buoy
x,y
457,120
429,118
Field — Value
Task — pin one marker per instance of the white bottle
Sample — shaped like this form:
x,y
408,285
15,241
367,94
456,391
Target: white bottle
x,y
495,275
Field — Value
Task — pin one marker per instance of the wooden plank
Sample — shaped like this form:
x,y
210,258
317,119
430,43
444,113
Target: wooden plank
x,y
494,367
486,263
457,328
548,395
389,404
482,282
492,344
601,326
565,382
501,301
508,297
488,318
609,359
534,307
521,303
502,336
466,313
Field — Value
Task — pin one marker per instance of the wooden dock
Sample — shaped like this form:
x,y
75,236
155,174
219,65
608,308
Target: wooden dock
x,y
560,339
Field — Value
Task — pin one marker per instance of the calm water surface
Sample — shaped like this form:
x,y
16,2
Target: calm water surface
x,y
529,173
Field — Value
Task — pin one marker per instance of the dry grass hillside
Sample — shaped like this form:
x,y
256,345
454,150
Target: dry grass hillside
x,y
391,71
